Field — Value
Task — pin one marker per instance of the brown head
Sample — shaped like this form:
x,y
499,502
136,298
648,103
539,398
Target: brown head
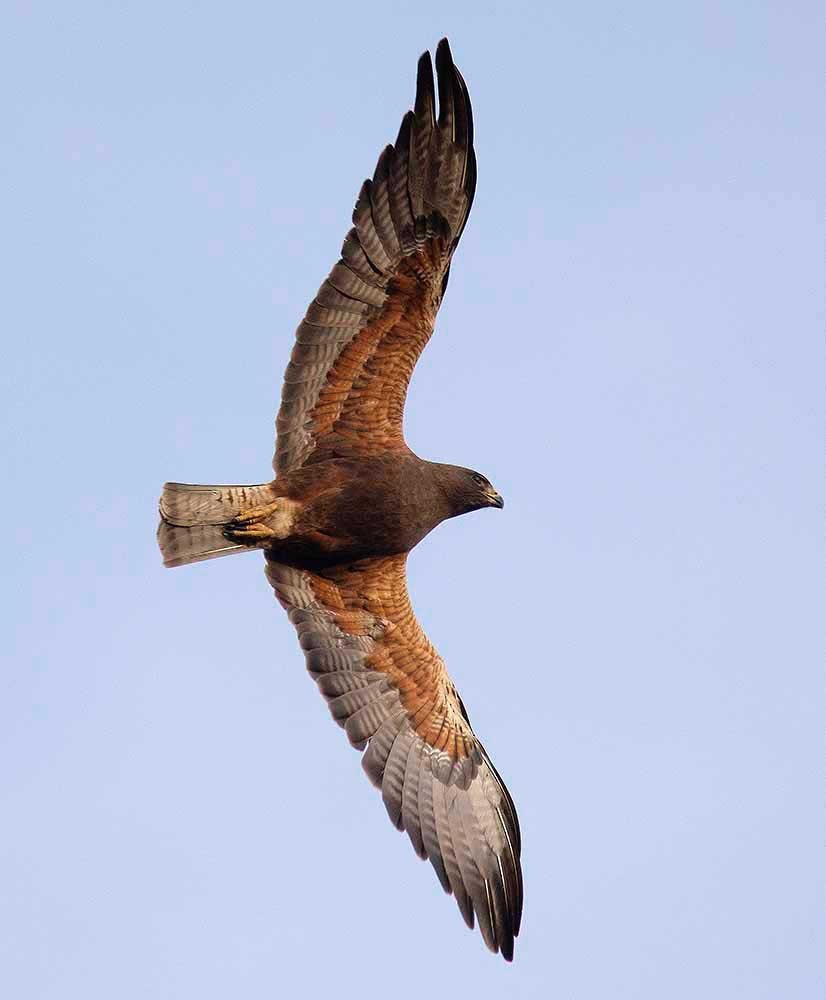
x,y
465,489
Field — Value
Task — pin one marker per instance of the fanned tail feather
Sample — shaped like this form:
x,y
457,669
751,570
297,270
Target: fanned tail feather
x,y
193,520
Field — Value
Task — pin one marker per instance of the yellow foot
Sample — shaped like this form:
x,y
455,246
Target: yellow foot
x,y
253,514
262,526
255,534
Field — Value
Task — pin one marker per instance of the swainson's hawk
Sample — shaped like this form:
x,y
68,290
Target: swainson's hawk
x,y
350,500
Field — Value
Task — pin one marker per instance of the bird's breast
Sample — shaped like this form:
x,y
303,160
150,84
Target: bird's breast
x,y
354,509
380,517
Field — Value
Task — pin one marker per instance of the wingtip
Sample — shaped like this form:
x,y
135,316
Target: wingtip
x,y
443,50
425,104
447,84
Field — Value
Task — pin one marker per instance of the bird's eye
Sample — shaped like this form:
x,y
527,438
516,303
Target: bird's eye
x,y
479,480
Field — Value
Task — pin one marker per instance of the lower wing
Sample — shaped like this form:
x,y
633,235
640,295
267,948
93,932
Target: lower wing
x,y
388,688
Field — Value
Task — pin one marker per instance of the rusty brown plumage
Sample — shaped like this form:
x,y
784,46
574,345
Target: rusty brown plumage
x,y
350,500
375,590
360,408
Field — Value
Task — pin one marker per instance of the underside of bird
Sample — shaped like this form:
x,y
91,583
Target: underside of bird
x,y
350,500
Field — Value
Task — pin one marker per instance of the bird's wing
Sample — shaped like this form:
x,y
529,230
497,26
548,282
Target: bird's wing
x,y
345,385
388,688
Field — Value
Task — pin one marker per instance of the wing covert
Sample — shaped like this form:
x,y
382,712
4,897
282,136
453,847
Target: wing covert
x,y
388,688
345,386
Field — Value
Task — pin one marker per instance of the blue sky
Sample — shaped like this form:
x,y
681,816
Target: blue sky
x,y
631,349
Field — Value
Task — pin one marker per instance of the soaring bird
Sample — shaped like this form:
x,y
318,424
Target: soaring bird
x,y
350,500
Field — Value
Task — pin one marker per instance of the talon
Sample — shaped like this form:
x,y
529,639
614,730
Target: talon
x,y
253,534
243,520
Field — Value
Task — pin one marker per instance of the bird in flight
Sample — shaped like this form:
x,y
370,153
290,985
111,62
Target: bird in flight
x,y
350,500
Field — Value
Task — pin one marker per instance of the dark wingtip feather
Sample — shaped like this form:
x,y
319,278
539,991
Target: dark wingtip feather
x,y
403,138
446,74
425,105
443,51
470,178
468,108
383,164
456,117
460,116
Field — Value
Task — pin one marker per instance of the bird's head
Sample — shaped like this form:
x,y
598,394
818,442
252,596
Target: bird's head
x,y
468,490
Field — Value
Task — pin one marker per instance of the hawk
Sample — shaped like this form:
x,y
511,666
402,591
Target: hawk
x,y
350,500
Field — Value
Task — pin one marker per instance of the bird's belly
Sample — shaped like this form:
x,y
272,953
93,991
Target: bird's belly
x,y
352,522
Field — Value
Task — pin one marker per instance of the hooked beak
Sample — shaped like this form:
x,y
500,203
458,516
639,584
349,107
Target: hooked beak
x,y
496,499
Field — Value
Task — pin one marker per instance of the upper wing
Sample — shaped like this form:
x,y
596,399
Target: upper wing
x,y
345,385
388,687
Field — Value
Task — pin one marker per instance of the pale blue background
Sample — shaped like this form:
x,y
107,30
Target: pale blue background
x,y
631,348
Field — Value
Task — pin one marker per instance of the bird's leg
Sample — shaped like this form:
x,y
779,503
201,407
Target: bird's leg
x,y
263,525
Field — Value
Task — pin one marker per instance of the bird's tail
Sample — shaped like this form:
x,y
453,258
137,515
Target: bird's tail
x,y
193,520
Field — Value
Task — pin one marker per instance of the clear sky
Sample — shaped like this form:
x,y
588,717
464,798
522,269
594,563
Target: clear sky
x,y
631,349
